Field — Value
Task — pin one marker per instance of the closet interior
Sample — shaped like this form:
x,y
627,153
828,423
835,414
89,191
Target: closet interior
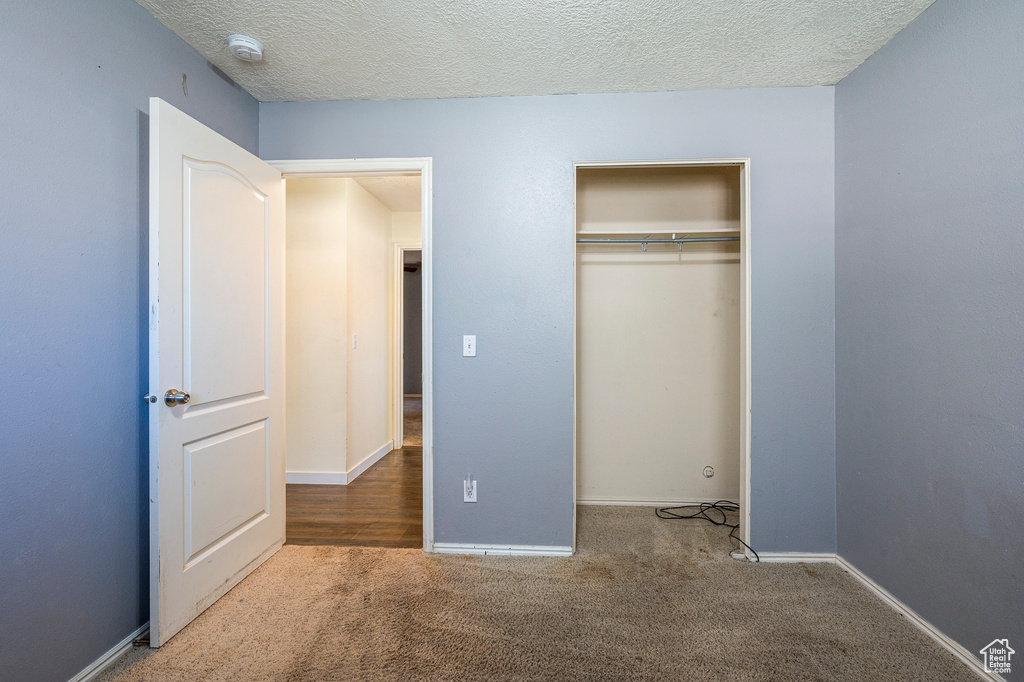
x,y
660,324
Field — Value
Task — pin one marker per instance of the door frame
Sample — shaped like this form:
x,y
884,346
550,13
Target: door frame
x,y
745,326
423,166
398,325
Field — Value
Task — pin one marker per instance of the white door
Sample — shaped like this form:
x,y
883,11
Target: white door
x,y
216,333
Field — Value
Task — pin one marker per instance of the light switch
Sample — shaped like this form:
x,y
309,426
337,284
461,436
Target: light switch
x,y
469,346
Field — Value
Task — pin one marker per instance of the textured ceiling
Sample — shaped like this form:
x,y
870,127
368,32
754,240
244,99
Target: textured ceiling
x,y
397,192
402,49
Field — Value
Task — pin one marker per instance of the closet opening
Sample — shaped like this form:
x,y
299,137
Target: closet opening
x,y
662,336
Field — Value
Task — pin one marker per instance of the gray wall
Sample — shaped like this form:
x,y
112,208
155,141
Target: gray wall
x,y
76,79
412,326
503,270
930,318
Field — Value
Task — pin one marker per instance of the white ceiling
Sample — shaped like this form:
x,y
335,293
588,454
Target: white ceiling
x,y
403,49
397,192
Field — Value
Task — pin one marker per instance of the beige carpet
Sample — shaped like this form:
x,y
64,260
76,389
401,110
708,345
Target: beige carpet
x,y
412,421
643,599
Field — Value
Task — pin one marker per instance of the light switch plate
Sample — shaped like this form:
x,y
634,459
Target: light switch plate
x,y
469,346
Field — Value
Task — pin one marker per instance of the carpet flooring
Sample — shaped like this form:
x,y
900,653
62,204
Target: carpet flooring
x,y
643,599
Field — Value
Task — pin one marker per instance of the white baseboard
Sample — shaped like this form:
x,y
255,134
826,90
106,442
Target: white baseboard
x,y
644,502
501,550
339,477
796,557
374,457
316,477
110,658
951,646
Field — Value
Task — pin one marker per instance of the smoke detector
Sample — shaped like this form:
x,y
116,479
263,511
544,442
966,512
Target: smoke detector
x,y
245,48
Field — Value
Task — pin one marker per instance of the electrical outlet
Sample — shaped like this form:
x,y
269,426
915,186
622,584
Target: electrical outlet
x,y
469,490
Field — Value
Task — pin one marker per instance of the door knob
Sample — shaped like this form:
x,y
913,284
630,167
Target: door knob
x,y
175,397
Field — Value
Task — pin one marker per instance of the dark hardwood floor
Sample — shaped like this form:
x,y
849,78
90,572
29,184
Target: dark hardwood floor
x,y
383,507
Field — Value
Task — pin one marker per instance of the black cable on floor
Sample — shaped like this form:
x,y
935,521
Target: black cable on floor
x,y
713,512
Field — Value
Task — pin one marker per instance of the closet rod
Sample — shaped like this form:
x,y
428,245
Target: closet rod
x,y
641,240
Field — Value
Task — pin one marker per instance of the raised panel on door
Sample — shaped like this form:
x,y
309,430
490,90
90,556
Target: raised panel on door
x,y
225,231
226,488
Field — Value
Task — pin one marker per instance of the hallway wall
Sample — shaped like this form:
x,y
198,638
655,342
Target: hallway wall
x,y
370,366
339,352
316,323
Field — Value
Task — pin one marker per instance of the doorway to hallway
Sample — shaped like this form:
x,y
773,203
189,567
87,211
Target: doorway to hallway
x,y
353,478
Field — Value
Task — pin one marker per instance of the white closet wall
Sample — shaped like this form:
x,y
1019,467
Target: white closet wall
x,y
658,337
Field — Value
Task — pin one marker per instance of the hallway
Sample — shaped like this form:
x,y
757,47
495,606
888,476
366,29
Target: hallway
x,y
412,424
381,508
